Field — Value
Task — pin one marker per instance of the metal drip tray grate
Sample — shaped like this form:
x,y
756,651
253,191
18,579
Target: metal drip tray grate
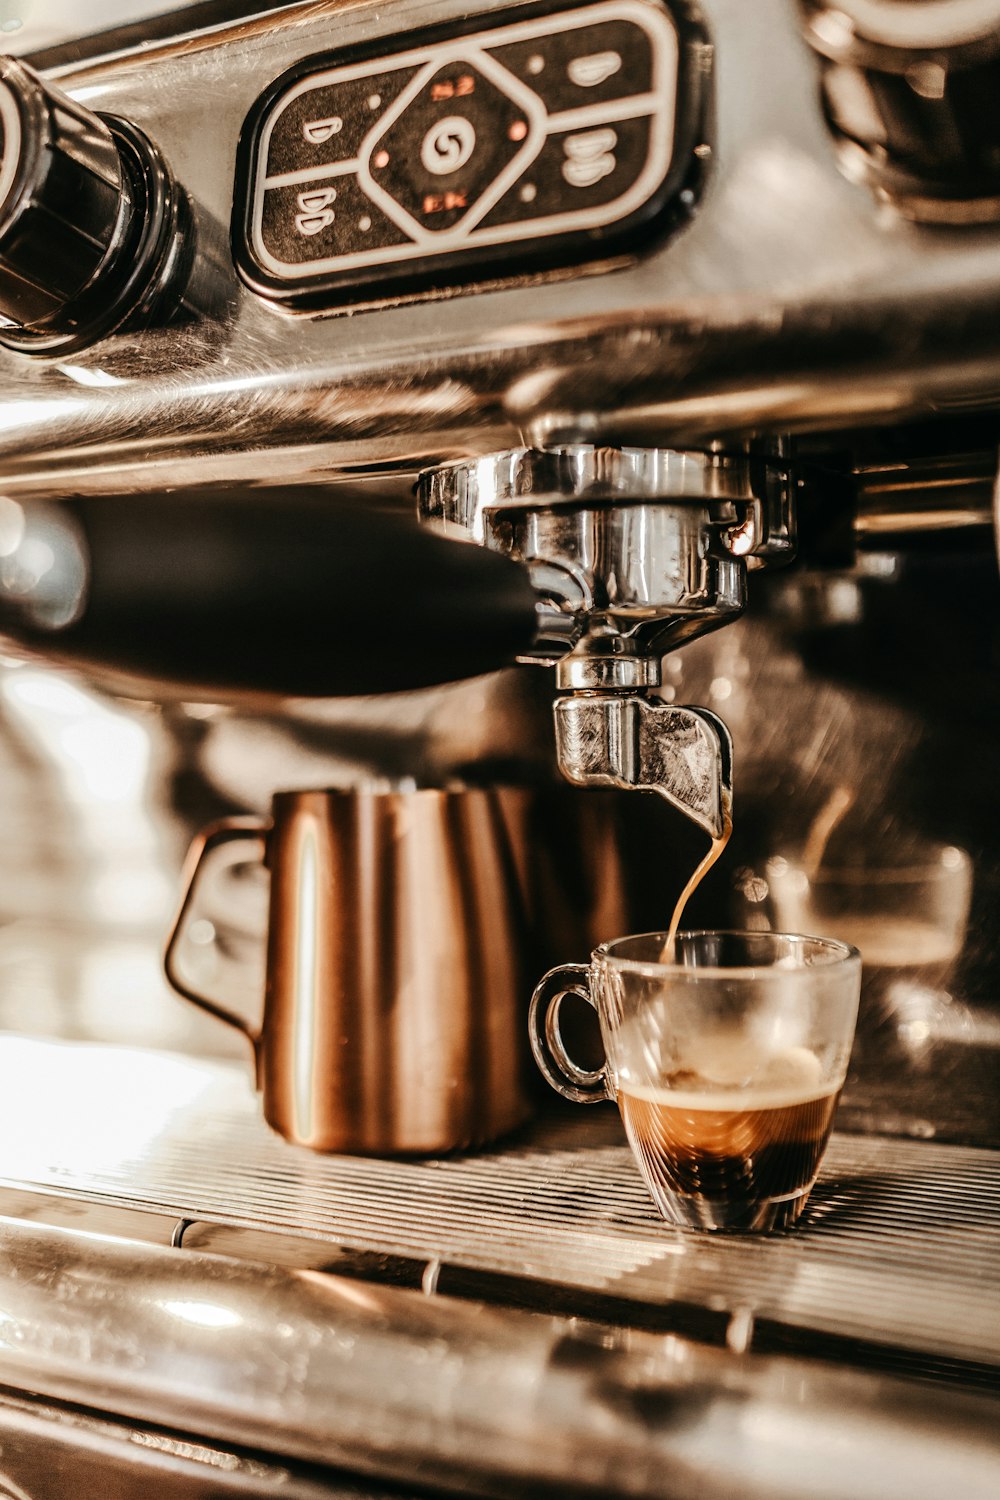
x,y
899,1248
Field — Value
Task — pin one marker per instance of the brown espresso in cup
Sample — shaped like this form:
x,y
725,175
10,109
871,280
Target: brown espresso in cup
x,y
740,1152
726,1063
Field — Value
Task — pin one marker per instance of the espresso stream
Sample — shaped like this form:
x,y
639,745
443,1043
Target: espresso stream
x,y
697,876
736,1147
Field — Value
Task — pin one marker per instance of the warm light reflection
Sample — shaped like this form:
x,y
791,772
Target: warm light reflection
x,y
94,378
11,526
108,752
18,414
101,755
203,1314
102,1106
341,1290
307,996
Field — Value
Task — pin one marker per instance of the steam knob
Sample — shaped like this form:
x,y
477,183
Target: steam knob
x,y
910,89
89,218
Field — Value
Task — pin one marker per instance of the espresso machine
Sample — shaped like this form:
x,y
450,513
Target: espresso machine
x,y
596,400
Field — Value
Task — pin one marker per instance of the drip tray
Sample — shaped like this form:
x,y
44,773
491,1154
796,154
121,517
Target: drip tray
x,y
895,1262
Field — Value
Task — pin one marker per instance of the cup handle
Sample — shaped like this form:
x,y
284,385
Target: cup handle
x,y
225,831
582,1085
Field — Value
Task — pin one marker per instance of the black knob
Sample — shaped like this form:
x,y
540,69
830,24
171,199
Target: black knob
x,y
911,90
90,218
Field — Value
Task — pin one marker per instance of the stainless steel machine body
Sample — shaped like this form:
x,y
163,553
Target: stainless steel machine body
x,y
789,344
788,301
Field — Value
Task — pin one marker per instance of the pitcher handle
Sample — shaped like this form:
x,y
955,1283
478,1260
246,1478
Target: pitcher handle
x,y
225,831
582,1085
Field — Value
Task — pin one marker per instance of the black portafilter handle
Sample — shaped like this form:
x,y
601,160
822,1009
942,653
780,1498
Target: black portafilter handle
x,y
290,592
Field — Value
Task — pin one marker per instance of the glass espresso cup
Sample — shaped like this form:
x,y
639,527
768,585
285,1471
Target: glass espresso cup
x,y
726,1058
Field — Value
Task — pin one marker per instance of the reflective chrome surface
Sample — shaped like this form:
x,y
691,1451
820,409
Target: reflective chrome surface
x,y
464,496
684,754
895,500
791,300
641,549
648,575
560,1207
471,1399
651,574
52,1454
256,1343
914,23
907,87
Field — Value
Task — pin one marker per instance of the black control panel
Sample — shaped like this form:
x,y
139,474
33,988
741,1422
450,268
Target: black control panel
x,y
460,156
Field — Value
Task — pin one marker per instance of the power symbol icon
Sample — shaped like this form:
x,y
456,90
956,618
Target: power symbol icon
x,y
448,145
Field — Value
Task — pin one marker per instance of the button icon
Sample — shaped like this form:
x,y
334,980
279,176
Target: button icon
x,y
315,199
315,212
596,68
448,145
589,157
318,131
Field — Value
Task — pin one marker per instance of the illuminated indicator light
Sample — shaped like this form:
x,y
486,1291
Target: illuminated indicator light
x,y
453,88
380,159
440,203
517,131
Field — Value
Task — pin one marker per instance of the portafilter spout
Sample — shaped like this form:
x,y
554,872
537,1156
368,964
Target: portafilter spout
x,y
625,740
632,552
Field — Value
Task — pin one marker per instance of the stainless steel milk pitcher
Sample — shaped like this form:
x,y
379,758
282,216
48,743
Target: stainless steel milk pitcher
x,y
397,950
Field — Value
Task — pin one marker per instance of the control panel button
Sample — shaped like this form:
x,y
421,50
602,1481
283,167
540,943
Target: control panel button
x,y
584,169
448,145
454,137
492,149
578,67
589,156
313,126
336,218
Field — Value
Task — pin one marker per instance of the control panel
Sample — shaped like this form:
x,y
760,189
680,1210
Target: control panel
x,y
547,140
